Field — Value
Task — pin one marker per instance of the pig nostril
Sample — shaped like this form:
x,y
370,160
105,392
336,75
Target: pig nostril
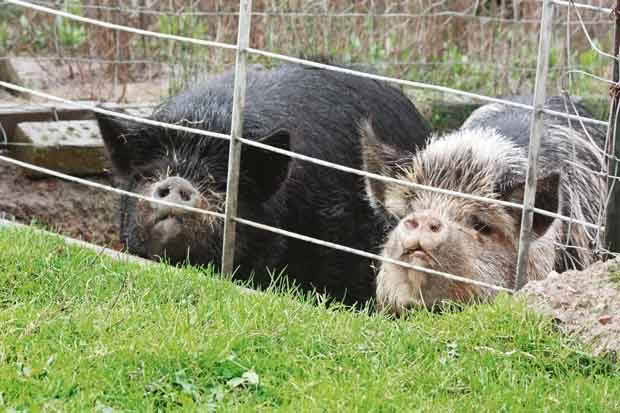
x,y
411,223
163,192
435,227
177,190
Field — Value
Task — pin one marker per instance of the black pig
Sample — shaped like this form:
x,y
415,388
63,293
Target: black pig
x,y
310,111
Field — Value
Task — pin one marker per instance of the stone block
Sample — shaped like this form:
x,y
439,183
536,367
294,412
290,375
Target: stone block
x,y
71,147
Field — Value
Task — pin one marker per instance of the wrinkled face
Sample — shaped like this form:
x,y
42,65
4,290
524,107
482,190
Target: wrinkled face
x,y
159,231
447,234
467,238
184,171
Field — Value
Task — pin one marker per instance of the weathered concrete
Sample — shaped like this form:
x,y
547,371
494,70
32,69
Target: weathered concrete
x,y
12,114
57,137
72,147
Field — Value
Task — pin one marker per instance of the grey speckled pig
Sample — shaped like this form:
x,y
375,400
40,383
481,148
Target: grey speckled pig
x,y
486,157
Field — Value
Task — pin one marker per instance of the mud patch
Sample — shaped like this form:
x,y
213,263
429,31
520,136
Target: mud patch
x,y
69,208
585,304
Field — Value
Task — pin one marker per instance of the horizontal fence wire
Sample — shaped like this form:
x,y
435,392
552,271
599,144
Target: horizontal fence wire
x,y
420,85
299,156
369,255
289,153
109,188
516,68
5,143
121,115
295,155
485,59
107,25
581,6
299,14
412,184
307,62
289,234
448,63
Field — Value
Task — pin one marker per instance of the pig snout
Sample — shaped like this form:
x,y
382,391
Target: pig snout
x,y
422,233
170,227
177,190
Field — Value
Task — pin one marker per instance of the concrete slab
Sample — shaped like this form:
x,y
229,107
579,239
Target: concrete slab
x,y
72,147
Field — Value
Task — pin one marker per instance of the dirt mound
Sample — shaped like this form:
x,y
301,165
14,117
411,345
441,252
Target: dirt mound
x,y
585,304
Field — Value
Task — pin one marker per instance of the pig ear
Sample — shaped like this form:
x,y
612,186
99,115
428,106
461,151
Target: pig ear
x,y
124,141
547,198
379,159
267,169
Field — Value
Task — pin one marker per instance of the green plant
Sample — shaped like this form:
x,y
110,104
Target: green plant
x,y
37,35
614,273
189,59
590,58
71,34
182,25
4,36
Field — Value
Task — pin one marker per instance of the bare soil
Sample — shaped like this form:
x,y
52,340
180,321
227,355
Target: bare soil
x,y
69,208
84,82
584,304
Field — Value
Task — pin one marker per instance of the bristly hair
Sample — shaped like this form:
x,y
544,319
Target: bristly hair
x,y
476,161
585,192
482,162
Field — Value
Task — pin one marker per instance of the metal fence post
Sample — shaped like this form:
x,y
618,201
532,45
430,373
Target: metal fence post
x,y
536,130
612,229
234,153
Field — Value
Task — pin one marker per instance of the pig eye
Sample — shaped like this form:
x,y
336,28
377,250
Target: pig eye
x,y
480,226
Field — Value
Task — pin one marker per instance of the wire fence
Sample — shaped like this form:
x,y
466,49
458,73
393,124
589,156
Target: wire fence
x,y
540,17
486,45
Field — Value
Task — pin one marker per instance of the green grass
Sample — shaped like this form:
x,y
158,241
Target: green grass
x,y
81,332
614,274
